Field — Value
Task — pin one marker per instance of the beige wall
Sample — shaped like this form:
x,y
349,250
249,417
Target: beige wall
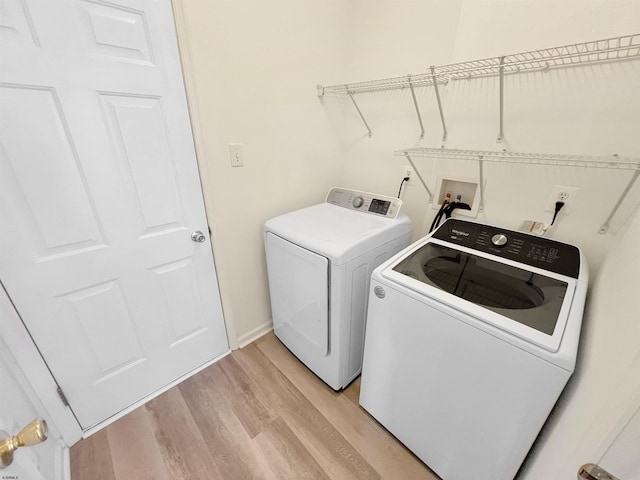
x,y
606,383
589,111
252,71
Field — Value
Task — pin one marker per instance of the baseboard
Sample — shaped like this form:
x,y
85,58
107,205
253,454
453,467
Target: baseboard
x,y
255,334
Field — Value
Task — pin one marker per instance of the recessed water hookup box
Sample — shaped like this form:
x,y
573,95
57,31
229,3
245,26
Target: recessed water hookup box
x,y
467,188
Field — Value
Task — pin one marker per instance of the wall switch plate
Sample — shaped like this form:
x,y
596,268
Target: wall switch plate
x,y
562,193
235,155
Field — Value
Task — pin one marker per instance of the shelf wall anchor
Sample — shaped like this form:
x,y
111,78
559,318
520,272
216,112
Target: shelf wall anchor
x,y
605,226
501,134
359,113
415,103
435,86
424,184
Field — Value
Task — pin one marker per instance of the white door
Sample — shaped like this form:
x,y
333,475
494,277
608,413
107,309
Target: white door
x,y
99,195
619,455
622,457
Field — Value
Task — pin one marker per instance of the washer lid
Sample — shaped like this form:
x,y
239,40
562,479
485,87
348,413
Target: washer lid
x,y
337,233
523,300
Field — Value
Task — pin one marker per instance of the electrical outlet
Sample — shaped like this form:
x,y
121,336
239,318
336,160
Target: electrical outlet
x,y
562,193
407,171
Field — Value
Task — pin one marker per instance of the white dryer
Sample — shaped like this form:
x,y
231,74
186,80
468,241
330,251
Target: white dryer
x,y
472,334
319,263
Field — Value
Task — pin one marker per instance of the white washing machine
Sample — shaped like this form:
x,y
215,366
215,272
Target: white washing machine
x,y
472,334
319,262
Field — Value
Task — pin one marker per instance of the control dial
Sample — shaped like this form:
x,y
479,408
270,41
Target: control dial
x,y
499,240
357,202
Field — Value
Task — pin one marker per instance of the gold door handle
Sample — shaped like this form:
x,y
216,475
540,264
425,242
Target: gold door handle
x,y
32,434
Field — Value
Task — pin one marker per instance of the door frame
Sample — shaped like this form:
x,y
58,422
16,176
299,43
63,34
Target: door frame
x,y
627,411
22,347
197,132
60,452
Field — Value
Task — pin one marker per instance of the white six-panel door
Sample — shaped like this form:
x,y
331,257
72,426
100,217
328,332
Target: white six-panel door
x,y
99,195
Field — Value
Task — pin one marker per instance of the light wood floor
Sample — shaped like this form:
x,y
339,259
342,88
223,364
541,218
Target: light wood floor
x,y
258,413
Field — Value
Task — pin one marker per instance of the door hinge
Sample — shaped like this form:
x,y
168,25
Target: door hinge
x,y
589,471
209,228
63,397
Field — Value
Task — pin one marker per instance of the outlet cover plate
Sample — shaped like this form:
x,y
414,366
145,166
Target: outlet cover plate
x,y
407,171
555,196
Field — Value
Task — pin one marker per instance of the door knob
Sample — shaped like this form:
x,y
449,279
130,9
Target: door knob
x,y
198,236
32,434
589,471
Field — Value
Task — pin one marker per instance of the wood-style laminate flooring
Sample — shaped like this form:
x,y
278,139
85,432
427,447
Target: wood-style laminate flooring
x,y
256,414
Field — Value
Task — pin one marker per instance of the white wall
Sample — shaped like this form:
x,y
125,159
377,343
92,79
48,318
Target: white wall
x,y
254,67
252,82
606,383
392,38
586,110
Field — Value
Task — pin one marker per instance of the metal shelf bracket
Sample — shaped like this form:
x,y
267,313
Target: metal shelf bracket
x,y
481,180
604,228
435,87
415,103
424,184
360,113
501,133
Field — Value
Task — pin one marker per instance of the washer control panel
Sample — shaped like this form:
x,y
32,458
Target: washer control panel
x,y
364,202
517,246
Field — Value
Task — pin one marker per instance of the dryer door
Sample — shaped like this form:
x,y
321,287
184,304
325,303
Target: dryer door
x,y
299,289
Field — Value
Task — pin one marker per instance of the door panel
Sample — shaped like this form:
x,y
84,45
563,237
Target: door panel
x,y
181,295
139,134
120,32
99,194
101,314
56,196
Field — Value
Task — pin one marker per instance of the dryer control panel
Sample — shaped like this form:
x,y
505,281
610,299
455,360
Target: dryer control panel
x,y
517,246
364,202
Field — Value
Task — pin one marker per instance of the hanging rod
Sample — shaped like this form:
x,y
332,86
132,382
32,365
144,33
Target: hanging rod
x,y
614,162
596,51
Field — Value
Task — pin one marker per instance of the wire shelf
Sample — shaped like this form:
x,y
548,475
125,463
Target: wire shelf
x,y
613,162
598,51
